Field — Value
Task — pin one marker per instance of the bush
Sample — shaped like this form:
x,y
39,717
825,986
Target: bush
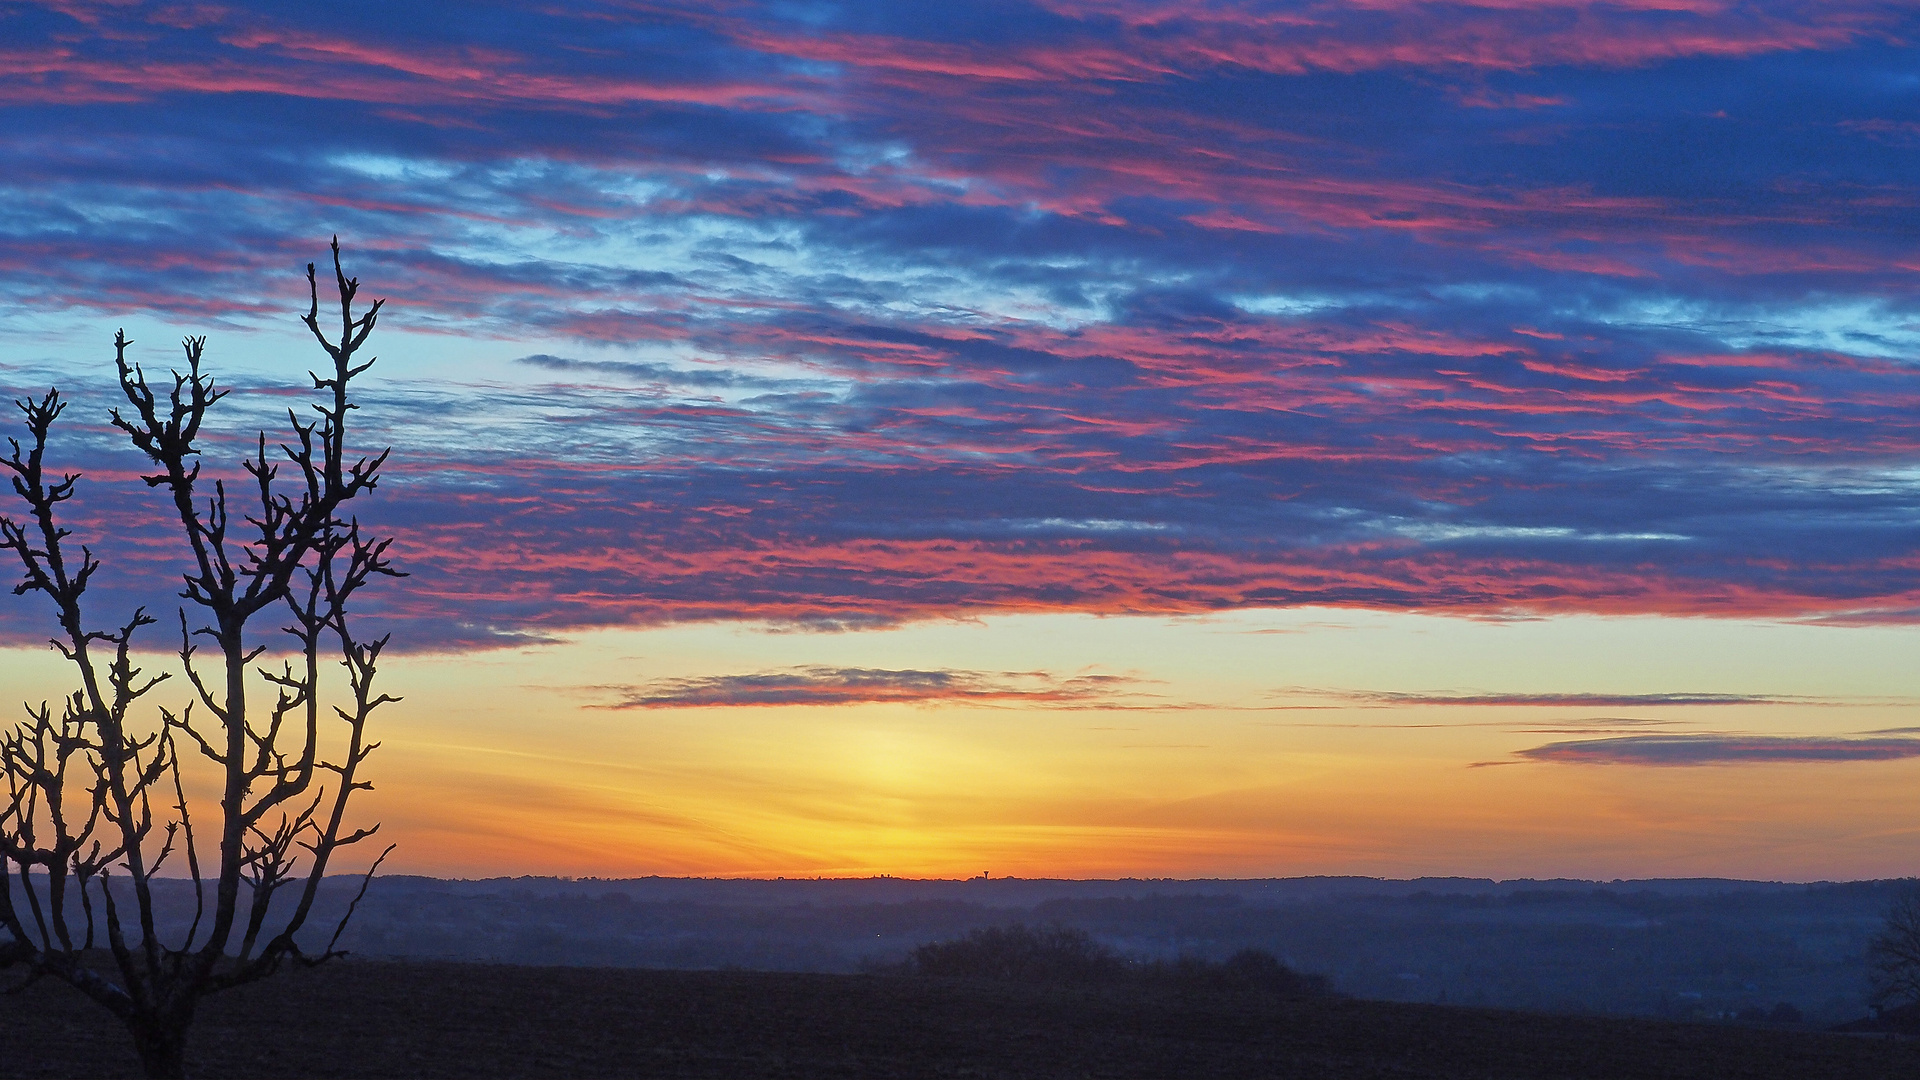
x,y
1062,954
1893,956
1783,1014
1021,954
1248,969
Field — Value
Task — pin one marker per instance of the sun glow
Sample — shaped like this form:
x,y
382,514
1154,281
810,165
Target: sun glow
x,y
1253,744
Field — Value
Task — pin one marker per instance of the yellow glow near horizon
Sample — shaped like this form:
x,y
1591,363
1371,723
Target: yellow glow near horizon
x,y
1238,746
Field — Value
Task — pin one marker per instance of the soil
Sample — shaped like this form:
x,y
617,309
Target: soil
x,y
422,1019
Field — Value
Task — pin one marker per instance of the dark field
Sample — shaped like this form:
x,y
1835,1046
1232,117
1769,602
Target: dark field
x,y
424,1019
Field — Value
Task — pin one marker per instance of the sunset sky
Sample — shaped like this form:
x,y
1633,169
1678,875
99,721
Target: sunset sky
x,y
1056,438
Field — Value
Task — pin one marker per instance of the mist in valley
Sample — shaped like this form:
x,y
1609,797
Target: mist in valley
x,y
1702,948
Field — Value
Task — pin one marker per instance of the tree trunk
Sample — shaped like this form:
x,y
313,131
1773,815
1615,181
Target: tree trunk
x,y
162,1046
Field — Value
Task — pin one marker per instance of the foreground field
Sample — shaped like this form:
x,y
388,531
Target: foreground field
x,y
390,1019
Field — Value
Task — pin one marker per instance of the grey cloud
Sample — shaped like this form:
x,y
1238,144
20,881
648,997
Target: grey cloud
x,y
823,685
1667,750
1576,700
707,379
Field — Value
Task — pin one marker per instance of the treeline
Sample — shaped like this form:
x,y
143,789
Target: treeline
x,y
1656,949
1065,954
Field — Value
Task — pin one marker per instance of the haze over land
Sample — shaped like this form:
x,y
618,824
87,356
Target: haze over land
x,y
1679,949
1057,437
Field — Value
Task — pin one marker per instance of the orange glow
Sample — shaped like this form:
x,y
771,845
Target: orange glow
x,y
1230,747
1251,745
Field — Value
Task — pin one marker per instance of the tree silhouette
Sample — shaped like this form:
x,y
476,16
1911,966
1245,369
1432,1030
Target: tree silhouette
x,y
1893,956
96,804
1020,953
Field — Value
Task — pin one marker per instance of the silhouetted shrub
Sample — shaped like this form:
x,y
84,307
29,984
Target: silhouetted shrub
x,y
1248,969
1893,956
1783,1014
1020,953
1062,954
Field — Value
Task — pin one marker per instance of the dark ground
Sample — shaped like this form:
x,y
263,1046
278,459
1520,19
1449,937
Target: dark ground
x,y
425,1019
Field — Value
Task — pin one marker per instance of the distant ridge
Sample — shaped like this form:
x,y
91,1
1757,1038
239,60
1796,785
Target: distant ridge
x,y
1022,891
1680,948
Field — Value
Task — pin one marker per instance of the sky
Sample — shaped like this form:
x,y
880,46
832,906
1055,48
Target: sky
x,y
1056,438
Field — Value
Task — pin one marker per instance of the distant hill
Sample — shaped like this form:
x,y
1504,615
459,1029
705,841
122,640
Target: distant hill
x,y
1685,948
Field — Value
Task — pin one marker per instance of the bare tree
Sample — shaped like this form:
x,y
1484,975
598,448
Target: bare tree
x,y
96,804
1893,956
